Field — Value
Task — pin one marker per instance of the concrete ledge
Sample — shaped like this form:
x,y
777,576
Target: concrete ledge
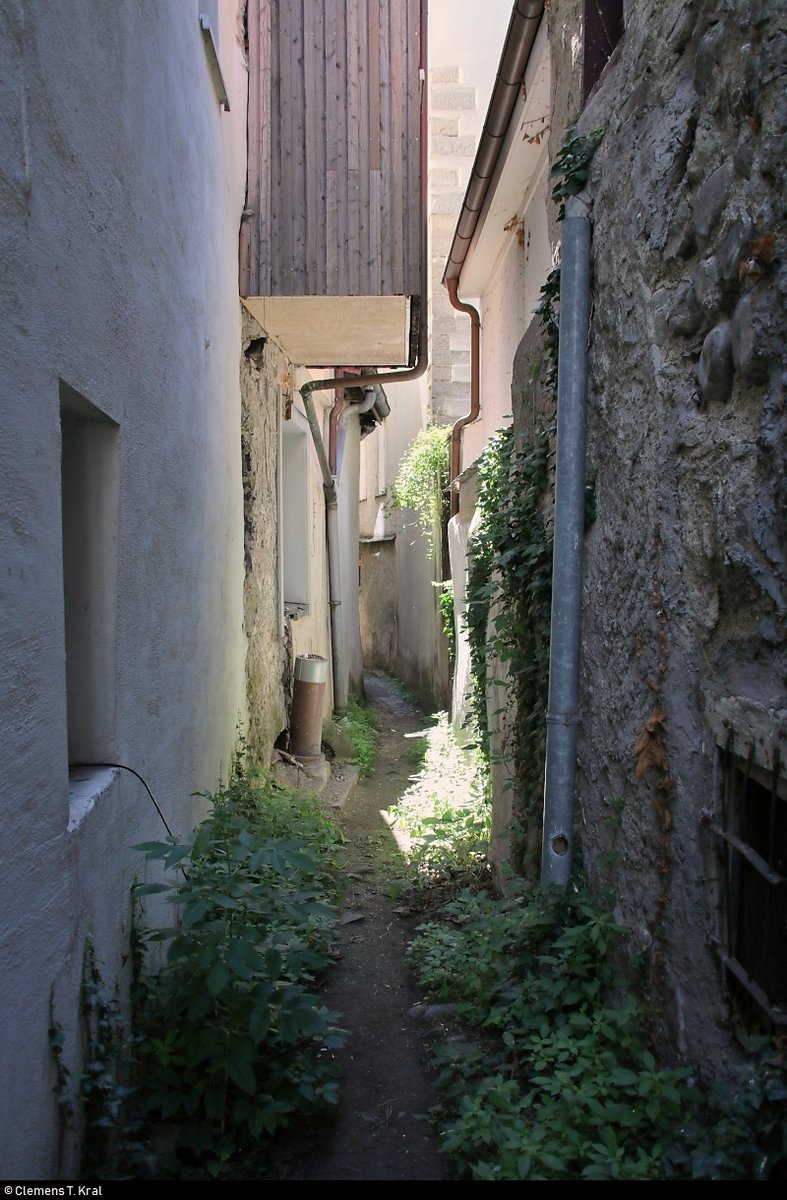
x,y
339,787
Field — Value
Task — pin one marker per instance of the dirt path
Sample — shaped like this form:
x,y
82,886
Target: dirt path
x,y
380,1130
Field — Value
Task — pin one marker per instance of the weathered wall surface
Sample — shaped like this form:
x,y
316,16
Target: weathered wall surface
x,y
422,650
120,279
685,565
399,617
379,635
265,382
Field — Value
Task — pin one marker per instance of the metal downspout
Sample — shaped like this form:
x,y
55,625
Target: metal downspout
x,y
334,570
563,705
475,389
415,371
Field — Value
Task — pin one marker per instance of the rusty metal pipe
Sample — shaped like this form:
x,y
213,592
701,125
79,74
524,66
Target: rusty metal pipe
x,y
311,673
452,285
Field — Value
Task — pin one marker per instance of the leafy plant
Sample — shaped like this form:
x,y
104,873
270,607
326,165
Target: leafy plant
x,y
571,167
445,602
234,1038
359,725
740,1129
510,578
422,481
564,1085
447,832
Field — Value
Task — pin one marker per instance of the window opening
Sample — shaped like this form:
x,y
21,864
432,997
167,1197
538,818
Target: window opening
x,y
753,845
603,29
89,500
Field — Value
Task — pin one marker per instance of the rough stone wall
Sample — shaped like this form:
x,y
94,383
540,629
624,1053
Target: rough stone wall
x,y
685,564
264,372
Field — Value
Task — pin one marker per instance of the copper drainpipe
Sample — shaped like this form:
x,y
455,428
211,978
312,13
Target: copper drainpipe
x,y
475,389
333,424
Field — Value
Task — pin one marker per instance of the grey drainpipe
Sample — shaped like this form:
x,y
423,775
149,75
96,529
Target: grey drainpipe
x,y
371,395
334,571
415,371
563,704
369,399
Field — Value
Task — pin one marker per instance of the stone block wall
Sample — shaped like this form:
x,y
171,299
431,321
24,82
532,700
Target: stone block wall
x,y
265,384
684,593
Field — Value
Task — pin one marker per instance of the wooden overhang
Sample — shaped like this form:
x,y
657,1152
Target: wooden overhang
x,y
330,250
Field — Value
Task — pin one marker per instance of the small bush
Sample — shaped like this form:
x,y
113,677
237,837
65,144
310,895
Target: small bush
x,y
563,1086
234,1039
360,727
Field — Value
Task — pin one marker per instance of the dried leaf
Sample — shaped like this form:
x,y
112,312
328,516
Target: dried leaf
x,y
764,248
653,755
656,718
642,741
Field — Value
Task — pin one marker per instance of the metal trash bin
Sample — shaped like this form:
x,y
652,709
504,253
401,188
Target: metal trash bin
x,y
311,674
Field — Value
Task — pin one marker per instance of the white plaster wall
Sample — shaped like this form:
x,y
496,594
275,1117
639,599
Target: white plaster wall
x,y
460,529
502,317
121,187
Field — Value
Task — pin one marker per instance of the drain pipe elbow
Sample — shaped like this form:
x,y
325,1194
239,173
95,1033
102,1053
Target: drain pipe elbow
x,y
564,654
452,286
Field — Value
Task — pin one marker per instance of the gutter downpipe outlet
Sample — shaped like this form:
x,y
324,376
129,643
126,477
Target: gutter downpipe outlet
x,y
452,285
417,368
564,653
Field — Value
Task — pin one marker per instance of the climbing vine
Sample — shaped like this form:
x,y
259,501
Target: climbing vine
x,y
422,481
510,579
510,554
572,165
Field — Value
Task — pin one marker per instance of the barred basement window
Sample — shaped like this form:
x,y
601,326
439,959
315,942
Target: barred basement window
x,y
753,846
603,29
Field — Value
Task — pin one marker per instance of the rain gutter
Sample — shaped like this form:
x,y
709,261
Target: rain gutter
x,y
520,37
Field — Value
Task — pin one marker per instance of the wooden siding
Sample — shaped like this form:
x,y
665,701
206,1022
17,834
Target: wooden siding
x,y
334,184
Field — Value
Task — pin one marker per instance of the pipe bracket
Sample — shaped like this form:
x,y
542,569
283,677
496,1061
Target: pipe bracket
x,y
569,718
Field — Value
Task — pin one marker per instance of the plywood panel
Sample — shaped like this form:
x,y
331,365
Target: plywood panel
x,y
334,164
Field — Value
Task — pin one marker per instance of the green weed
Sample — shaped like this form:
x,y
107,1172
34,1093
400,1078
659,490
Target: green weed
x,y
359,724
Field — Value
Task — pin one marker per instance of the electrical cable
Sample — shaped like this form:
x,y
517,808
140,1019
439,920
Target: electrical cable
x,y
123,767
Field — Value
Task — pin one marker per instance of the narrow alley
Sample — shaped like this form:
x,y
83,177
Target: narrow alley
x,y
381,1129
359,340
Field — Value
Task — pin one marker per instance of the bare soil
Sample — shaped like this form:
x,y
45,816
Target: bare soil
x,y
381,1128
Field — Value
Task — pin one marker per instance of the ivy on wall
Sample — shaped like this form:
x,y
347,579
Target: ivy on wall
x,y
510,555
510,576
